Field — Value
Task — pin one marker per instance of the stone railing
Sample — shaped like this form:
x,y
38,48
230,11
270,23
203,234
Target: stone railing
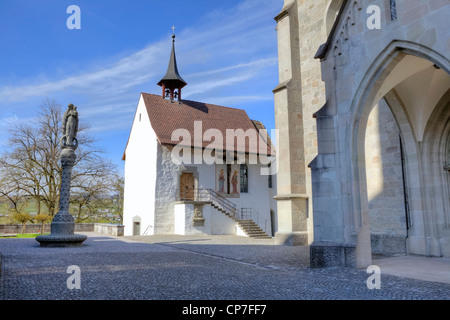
x,y
36,228
109,229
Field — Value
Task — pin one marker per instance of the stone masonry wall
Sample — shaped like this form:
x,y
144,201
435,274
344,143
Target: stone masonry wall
x,y
384,173
385,182
313,33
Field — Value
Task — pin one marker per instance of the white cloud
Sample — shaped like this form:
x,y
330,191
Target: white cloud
x,y
123,75
225,50
250,65
233,100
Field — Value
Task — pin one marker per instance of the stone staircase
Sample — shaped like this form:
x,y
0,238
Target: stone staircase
x,y
252,229
248,226
222,210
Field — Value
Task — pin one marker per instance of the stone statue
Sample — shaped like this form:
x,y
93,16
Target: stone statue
x,y
70,127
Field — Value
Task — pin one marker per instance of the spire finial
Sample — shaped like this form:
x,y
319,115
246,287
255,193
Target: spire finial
x,y
173,34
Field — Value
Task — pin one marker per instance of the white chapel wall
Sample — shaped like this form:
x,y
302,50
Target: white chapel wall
x,y
140,174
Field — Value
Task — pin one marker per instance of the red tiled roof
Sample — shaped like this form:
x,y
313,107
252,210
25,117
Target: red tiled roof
x,y
166,117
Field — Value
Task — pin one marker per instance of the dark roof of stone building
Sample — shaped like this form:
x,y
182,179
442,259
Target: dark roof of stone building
x,y
166,117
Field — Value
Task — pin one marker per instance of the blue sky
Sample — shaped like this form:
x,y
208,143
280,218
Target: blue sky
x,y
226,51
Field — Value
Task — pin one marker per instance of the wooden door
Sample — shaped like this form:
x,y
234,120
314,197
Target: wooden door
x,y
136,229
187,186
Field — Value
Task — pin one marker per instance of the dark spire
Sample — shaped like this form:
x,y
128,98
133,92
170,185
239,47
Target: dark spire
x,y
172,80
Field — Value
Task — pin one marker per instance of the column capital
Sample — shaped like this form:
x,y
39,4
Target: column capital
x,y
291,196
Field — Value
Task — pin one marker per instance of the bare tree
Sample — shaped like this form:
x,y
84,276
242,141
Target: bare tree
x,y
118,187
92,183
10,191
31,165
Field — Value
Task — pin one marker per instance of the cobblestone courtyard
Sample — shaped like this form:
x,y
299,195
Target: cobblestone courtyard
x,y
189,268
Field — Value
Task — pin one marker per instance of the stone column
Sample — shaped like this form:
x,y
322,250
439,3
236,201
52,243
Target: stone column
x,y
292,202
63,222
63,225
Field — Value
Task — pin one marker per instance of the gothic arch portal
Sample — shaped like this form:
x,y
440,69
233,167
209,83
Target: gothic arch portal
x,y
340,197
382,79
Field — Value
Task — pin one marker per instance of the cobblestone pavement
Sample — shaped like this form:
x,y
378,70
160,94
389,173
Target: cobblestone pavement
x,y
189,268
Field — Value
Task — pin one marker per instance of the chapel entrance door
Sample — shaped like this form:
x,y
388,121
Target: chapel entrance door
x,y
136,228
187,186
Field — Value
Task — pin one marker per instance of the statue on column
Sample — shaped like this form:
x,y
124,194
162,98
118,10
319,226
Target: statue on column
x,y
63,225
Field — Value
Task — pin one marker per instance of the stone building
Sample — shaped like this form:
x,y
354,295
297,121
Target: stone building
x,y
363,107
196,168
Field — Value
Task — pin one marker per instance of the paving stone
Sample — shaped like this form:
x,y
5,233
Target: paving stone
x,y
189,268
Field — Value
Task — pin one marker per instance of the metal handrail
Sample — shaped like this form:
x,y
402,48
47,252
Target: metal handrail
x,y
225,203
252,214
147,229
208,195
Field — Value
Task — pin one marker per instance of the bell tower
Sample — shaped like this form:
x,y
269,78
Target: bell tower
x,y
172,82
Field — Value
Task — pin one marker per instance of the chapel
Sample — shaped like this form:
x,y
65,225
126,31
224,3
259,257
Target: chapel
x,y
196,168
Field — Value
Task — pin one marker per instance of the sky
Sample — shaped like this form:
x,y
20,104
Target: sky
x,y
226,52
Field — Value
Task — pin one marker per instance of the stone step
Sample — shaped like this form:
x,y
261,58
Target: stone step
x,y
252,230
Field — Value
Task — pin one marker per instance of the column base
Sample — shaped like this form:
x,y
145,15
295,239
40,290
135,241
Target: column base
x,y
53,241
329,254
62,235
295,238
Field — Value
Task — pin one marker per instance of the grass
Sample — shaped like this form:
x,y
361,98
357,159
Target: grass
x,y
25,235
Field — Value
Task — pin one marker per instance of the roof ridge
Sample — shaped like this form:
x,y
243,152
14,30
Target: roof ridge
x,y
207,103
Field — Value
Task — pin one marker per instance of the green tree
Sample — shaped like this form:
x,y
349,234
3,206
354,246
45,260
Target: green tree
x,y
22,218
43,218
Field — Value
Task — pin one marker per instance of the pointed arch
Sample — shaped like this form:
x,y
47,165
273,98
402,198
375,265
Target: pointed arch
x,y
435,176
378,82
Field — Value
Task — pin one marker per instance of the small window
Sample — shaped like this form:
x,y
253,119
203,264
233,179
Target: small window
x,y
140,117
244,178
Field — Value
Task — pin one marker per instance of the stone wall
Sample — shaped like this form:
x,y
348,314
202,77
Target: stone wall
x,y
361,65
36,228
104,228
109,229
167,184
385,186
